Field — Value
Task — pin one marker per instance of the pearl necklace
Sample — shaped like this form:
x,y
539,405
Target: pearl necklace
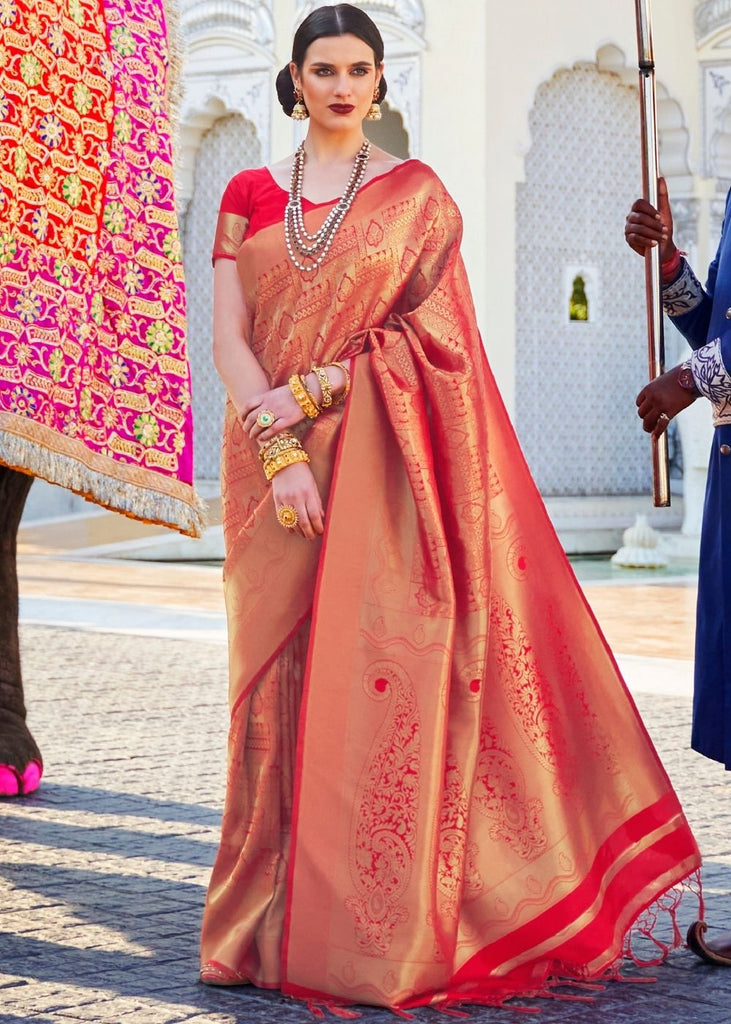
x,y
314,248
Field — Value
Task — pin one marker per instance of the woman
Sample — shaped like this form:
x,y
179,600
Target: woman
x,y
439,789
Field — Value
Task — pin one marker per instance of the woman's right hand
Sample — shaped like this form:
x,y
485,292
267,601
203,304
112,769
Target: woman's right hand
x,y
295,485
646,227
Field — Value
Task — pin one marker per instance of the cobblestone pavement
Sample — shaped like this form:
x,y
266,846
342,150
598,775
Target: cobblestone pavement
x,y
103,871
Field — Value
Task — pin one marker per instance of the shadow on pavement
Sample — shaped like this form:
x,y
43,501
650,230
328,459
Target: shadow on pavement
x,y
70,916
10,1018
103,801
162,846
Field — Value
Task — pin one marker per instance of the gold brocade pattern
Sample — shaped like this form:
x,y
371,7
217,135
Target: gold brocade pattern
x,y
257,818
459,704
230,231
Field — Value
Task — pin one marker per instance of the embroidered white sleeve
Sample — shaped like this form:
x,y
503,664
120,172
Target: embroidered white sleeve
x,y
712,379
684,294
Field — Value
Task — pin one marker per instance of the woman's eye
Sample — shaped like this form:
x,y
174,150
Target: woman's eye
x,y
360,71
322,72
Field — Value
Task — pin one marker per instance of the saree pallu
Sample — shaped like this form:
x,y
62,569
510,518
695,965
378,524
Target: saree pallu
x,y
439,787
94,377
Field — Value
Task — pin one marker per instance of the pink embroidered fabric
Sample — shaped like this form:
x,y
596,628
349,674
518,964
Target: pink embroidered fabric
x,y
95,389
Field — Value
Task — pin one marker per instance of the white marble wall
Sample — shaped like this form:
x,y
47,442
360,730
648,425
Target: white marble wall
x,y
576,381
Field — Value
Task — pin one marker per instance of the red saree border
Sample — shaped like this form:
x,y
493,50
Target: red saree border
x,y
269,662
626,887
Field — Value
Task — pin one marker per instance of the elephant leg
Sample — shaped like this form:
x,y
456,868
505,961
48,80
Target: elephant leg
x,y
21,766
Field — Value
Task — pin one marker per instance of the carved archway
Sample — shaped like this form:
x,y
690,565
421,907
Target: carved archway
x,y
251,20
582,172
674,135
229,69
712,22
389,133
713,38
674,143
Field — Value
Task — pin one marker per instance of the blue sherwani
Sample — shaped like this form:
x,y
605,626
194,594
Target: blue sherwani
x,y
703,315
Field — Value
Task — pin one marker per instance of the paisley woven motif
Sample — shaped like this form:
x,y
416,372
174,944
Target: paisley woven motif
x,y
94,378
384,833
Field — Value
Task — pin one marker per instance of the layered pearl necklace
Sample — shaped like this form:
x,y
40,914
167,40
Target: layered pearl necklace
x,y
314,248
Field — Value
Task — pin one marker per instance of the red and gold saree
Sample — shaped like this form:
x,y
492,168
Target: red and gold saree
x,y
439,788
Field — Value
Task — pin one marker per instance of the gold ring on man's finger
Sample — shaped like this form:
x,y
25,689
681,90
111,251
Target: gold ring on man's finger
x,y
663,416
287,516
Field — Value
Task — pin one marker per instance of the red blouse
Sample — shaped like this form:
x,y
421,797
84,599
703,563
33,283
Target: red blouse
x,y
253,200
255,196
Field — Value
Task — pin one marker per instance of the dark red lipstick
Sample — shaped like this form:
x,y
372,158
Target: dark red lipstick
x,y
342,108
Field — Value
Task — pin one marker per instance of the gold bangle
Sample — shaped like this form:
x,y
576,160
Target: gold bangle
x,y
284,459
275,453
278,443
325,386
344,393
302,397
310,393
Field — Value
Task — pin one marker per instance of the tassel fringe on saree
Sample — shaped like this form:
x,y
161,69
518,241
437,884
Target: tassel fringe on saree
x,y
439,788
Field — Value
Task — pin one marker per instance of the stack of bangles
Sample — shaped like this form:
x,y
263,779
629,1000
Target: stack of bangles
x,y
307,401
283,450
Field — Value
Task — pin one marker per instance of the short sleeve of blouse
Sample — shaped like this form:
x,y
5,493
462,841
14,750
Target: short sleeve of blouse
x,y
233,217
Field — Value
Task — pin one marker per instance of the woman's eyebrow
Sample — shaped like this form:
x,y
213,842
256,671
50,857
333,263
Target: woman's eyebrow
x,y
356,64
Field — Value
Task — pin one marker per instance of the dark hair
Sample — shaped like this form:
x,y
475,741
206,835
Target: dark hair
x,y
336,20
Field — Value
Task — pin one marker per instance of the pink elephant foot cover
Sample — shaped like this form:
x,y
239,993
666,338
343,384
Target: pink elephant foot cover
x,y
16,783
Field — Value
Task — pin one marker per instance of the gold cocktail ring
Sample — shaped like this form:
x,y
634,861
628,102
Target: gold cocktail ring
x,y
265,418
287,516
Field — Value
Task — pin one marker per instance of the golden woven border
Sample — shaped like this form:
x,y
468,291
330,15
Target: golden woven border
x,y
33,448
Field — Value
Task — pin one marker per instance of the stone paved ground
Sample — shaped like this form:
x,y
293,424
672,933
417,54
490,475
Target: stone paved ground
x,y
102,873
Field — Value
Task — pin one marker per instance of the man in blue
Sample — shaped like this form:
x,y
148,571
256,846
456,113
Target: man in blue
x,y
703,316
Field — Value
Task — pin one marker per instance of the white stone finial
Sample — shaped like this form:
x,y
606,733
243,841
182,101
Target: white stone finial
x,y
640,548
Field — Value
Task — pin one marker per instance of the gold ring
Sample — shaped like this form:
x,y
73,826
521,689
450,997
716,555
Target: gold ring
x,y
265,418
287,516
663,416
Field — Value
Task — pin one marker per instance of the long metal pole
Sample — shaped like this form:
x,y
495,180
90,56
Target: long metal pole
x,y
653,272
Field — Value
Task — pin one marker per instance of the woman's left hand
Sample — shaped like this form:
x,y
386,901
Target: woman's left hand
x,y
280,402
661,400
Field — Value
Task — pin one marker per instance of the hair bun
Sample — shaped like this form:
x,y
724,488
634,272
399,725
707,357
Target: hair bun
x,y
285,90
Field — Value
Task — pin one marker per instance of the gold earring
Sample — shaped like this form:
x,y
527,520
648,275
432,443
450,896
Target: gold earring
x,y
374,111
299,110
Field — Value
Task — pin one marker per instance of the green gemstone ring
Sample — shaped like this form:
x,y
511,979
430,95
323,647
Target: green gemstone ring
x,y
265,418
